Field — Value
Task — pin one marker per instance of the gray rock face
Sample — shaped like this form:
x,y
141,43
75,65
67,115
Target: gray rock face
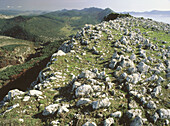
x,y
137,121
87,74
101,104
89,124
13,93
164,113
51,109
109,122
83,90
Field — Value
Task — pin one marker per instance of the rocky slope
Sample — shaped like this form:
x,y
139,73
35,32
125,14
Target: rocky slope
x,y
113,73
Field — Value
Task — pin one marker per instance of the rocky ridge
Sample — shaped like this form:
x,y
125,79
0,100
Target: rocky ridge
x,y
115,72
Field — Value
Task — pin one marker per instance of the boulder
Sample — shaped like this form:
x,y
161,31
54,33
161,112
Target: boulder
x,y
12,94
101,103
142,67
51,109
83,90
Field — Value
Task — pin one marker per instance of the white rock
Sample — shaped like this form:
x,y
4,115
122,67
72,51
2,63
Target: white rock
x,y
117,114
55,123
101,104
21,120
83,101
26,98
83,90
89,124
151,105
51,109
63,109
87,74
75,85
109,122
133,112
59,53
142,67
137,121
34,93
13,93
164,113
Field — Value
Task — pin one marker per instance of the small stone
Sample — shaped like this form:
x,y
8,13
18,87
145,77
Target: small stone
x,y
151,105
89,124
137,121
83,101
51,109
117,114
109,122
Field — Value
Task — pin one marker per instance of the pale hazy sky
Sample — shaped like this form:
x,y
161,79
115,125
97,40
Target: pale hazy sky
x,y
116,5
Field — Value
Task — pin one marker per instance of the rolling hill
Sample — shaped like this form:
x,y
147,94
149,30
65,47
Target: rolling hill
x,y
51,26
41,35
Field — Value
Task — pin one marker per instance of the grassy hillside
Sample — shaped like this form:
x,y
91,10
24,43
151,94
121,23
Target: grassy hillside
x,y
37,37
117,70
51,26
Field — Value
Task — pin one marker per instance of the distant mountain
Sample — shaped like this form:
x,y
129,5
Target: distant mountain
x,y
154,12
19,12
51,26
